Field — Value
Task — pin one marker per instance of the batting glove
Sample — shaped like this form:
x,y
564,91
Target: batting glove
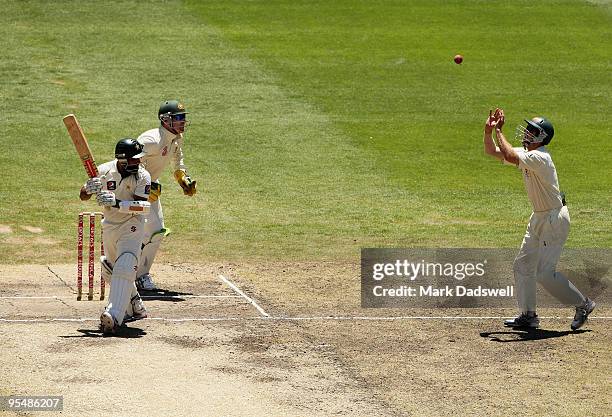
x,y
93,185
106,198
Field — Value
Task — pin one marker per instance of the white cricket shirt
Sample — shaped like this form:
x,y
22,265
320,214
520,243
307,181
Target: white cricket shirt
x,y
540,177
161,146
124,188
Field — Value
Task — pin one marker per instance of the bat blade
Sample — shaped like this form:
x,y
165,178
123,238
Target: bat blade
x,y
80,143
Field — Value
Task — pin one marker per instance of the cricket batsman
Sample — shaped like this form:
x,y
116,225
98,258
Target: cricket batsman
x,y
161,146
122,188
549,225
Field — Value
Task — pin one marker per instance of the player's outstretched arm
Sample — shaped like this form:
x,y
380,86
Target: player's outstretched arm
x,y
508,152
489,145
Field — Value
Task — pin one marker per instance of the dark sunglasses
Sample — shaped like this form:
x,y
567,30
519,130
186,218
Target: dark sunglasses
x,y
179,117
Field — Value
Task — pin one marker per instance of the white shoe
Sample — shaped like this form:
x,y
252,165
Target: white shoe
x,y
582,314
145,282
108,324
138,308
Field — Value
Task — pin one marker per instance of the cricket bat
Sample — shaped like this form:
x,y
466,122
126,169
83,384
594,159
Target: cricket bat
x,y
81,145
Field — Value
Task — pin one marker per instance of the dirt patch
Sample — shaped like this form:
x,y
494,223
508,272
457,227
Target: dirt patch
x,y
32,229
5,230
23,241
188,342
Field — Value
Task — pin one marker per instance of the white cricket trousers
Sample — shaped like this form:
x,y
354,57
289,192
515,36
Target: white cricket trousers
x,y
538,257
152,237
122,239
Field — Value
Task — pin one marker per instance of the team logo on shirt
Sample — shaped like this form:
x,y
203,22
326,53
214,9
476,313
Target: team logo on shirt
x,y
147,189
164,151
111,185
133,228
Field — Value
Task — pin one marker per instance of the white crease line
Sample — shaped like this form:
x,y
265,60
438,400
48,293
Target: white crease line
x,y
379,318
184,320
188,296
55,297
246,297
46,320
21,297
314,318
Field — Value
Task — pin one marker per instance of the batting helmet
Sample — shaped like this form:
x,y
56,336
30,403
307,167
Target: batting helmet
x,y
169,109
536,130
127,149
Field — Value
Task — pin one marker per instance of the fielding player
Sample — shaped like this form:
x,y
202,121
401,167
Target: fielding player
x,y
161,145
123,190
549,224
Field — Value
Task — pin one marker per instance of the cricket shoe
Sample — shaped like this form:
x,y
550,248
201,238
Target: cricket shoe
x,y
525,320
582,313
108,324
145,283
138,308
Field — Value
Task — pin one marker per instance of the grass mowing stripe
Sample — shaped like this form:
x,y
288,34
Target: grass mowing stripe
x,y
318,128
278,176
383,72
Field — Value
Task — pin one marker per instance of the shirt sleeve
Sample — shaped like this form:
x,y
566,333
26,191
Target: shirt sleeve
x,y
532,161
143,184
150,145
178,155
518,151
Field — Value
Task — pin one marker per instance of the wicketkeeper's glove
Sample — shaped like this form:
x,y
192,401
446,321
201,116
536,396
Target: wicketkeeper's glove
x,y
186,183
155,192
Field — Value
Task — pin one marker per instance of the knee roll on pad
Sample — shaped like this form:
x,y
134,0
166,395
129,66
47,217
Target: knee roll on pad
x,y
125,266
107,269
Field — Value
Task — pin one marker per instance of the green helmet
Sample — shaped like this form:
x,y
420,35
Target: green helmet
x,y
171,108
536,130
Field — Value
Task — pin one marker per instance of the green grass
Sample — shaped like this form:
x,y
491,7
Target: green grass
x,y
318,127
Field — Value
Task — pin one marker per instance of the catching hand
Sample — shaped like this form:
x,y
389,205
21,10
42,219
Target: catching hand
x,y
155,191
186,183
500,119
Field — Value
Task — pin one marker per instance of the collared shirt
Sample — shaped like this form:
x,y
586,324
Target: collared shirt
x,y
125,189
540,177
161,146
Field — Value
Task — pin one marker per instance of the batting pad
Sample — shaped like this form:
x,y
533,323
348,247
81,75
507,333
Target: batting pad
x,y
122,285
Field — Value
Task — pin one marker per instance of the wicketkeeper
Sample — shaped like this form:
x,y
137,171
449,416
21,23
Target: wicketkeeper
x,y
161,146
549,224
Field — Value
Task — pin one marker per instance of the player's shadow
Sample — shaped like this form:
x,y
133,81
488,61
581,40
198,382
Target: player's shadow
x,y
523,335
163,295
123,332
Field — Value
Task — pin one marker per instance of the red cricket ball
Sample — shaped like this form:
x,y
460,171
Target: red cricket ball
x,y
458,59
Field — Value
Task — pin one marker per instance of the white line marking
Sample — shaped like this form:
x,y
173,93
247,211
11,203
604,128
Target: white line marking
x,y
55,297
246,297
188,296
314,318
391,318
21,297
45,320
